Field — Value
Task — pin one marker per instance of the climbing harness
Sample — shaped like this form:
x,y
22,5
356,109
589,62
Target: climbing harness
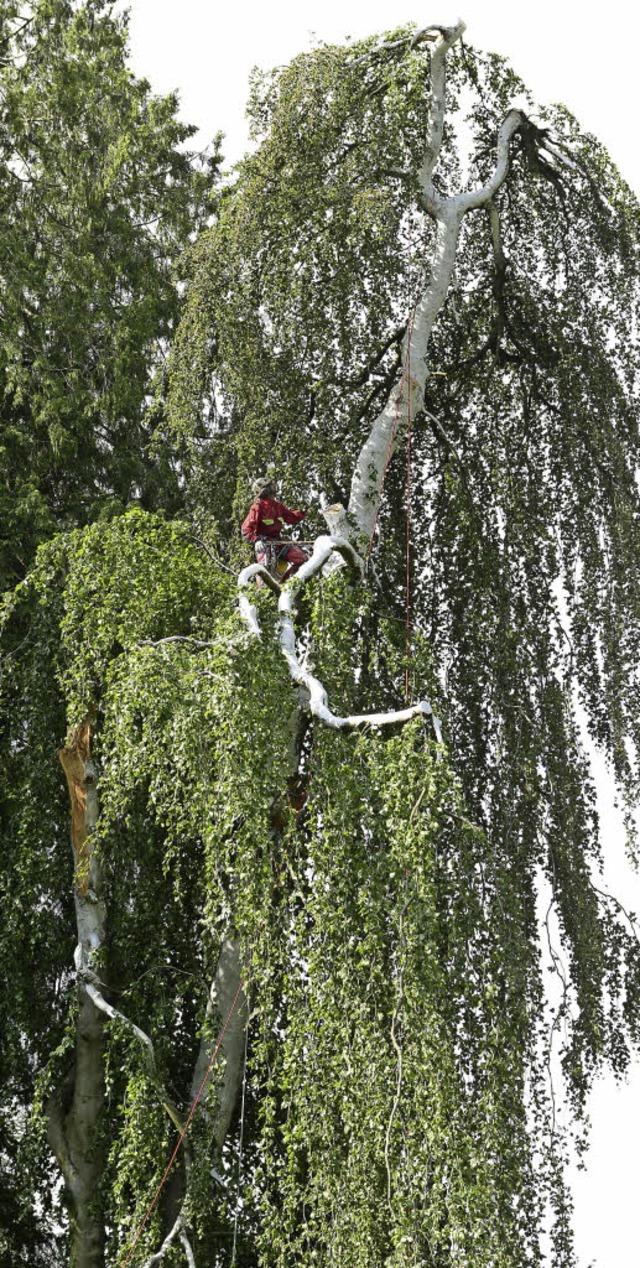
x,y
273,555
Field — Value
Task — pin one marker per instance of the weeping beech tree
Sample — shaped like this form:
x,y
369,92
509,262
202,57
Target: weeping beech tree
x,y
369,912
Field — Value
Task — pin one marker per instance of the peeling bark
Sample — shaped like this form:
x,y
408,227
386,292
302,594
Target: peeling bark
x,y
74,1111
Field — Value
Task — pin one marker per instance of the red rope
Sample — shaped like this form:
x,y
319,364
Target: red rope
x,y
185,1128
408,597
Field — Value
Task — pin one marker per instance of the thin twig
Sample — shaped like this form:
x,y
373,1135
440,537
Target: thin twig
x,y
174,638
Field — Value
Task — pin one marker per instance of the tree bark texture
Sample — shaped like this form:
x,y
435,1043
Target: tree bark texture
x,y
74,1111
447,212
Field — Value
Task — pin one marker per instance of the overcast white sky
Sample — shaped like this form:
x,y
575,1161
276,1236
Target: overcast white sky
x,y
564,51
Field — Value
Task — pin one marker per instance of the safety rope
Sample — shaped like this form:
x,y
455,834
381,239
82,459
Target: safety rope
x,y
183,1133
408,593
244,1093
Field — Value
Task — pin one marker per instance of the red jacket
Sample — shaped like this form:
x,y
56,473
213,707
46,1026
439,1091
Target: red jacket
x,y
266,517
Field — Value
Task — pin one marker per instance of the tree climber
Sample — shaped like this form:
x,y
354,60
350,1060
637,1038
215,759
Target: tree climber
x,y
263,528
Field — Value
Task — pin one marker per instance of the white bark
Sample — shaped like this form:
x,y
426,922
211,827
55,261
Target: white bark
x,y
408,394
186,1246
92,987
324,548
446,38
175,1231
447,213
224,990
72,1134
223,993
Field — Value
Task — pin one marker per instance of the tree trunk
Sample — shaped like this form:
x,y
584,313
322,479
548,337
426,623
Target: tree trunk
x,y
447,212
224,989
74,1111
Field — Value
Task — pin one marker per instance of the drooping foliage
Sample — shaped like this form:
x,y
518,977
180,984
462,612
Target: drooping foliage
x,y
524,540
528,466
98,198
391,949
398,1103
525,512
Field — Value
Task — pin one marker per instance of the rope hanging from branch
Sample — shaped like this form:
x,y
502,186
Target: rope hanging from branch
x,y
183,1133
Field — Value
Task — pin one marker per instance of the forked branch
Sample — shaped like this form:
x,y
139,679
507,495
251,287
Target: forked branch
x,y
318,701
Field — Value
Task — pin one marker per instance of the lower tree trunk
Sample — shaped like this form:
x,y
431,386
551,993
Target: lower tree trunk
x,y
226,988
74,1111
84,1160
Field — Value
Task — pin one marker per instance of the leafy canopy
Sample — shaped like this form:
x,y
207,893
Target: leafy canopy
x,y
398,1104
99,197
524,544
374,925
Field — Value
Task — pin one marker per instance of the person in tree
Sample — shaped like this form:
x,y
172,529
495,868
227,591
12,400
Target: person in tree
x,y
263,528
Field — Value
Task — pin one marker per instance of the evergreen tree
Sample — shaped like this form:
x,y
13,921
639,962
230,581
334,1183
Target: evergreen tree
x,y
336,930
98,198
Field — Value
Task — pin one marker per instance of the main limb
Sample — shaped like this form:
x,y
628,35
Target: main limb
x,y
318,702
447,213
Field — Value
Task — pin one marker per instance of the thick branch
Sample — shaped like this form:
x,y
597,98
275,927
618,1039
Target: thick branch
x,y
186,1246
479,197
175,1231
408,394
387,46
94,992
435,122
219,1005
227,1000
318,703
247,609
73,1135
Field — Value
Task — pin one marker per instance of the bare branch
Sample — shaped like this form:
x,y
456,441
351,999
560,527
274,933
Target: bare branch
x,y
214,558
629,915
91,985
258,570
479,197
324,548
176,1231
428,33
174,638
446,38
186,1245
